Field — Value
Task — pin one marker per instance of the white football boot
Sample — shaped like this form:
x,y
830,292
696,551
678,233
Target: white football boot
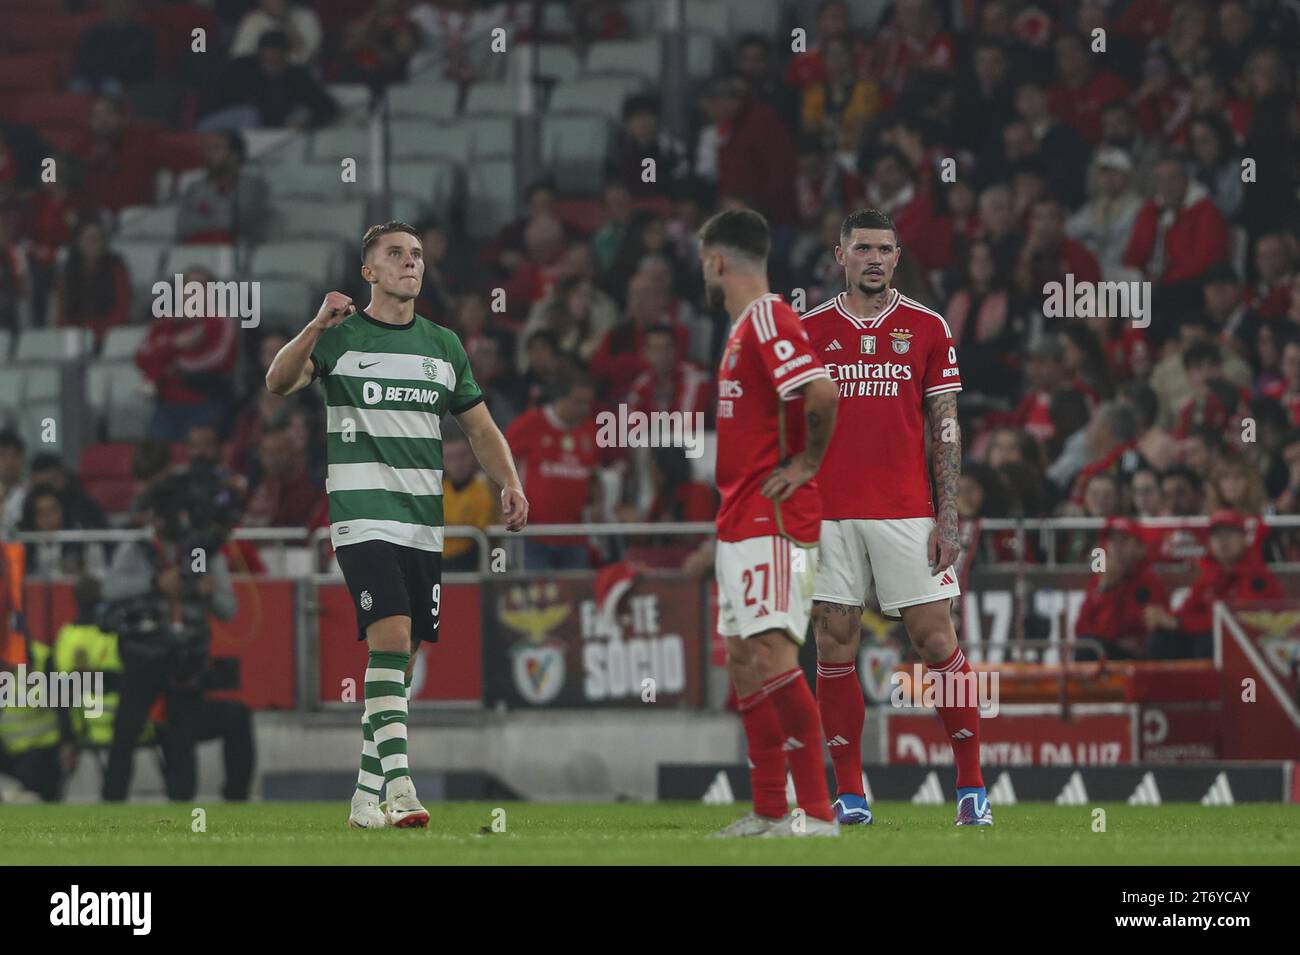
x,y
366,812
404,809
748,825
801,825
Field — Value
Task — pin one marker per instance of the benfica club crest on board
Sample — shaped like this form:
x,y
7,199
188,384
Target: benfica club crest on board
x,y
902,341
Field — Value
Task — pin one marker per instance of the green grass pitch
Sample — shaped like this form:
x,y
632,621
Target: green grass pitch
x,y
664,833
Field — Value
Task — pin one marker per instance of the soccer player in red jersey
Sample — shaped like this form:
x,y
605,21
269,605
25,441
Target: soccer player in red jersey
x,y
776,411
894,362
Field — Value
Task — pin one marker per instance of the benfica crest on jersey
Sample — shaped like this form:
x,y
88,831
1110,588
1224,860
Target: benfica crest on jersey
x,y
733,353
901,341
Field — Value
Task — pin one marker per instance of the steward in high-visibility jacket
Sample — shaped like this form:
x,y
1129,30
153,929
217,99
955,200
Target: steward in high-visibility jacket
x,y
30,735
82,647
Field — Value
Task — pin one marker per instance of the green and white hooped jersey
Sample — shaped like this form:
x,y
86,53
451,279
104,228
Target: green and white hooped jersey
x,y
386,390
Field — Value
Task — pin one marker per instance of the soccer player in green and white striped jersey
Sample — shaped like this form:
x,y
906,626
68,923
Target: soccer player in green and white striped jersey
x,y
389,377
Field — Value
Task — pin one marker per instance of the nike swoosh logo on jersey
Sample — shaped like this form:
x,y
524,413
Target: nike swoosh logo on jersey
x,y
371,365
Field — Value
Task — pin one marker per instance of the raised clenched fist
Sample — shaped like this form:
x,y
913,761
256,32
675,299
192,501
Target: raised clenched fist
x,y
333,310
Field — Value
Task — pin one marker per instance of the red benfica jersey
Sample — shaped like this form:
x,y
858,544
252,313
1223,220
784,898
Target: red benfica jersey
x,y
556,469
766,361
885,367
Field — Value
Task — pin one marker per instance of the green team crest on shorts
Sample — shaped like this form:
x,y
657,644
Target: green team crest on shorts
x,y
386,390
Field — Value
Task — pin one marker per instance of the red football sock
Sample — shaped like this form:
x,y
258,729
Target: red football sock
x,y
803,740
839,698
766,759
962,723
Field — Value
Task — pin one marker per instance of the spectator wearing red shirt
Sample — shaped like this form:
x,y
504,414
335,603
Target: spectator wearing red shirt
x,y
538,270
892,190
675,497
1232,571
285,496
1214,401
1286,391
756,154
913,41
1274,268
619,358
1178,235
190,362
1112,435
1081,91
806,68
1049,255
669,383
118,162
1116,600
1045,369
555,447
379,44
94,289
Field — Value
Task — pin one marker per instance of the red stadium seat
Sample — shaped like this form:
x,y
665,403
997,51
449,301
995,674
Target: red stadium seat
x,y
26,32
28,72
109,459
114,495
64,139
180,151
173,26
48,109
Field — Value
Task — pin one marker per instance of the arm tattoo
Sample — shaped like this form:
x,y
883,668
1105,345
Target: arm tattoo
x,y
946,459
818,435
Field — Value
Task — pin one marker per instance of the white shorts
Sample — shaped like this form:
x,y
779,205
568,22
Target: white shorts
x,y
889,554
764,583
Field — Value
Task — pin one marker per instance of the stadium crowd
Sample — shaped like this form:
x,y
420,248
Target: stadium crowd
x,y
1010,149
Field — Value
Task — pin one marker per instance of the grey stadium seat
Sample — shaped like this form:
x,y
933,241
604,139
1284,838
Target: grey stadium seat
x,y
143,258
42,383
637,57
314,261
340,142
491,186
122,342
11,387
553,62
433,183
711,16
490,136
410,138
318,180
53,344
129,404
603,95
311,218
490,99
290,300
435,101
218,259
148,222
573,148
